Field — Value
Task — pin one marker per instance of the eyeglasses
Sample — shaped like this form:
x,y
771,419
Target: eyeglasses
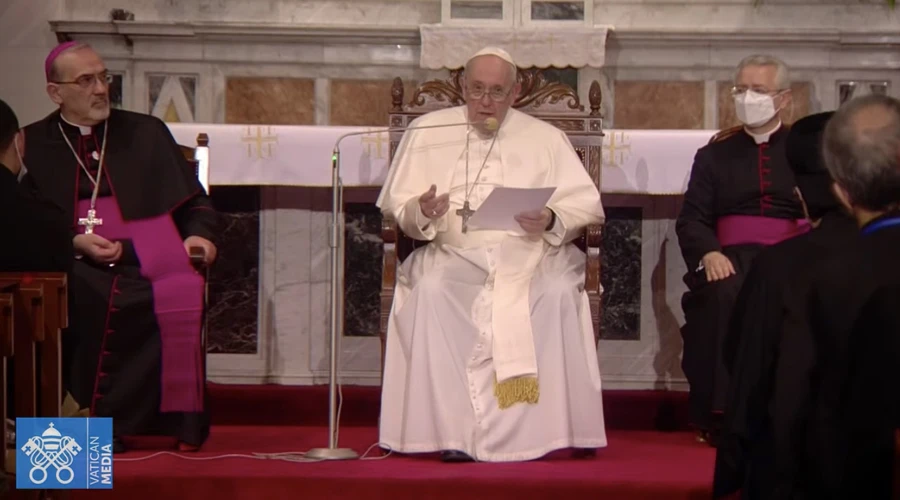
x,y
741,90
496,94
87,81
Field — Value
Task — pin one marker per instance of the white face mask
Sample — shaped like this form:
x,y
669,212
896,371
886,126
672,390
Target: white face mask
x,y
19,153
754,109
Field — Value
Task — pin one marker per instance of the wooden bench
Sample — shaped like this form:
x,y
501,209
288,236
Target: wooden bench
x,y
7,320
41,313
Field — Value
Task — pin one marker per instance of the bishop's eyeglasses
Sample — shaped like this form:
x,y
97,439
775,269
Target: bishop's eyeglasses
x,y
742,89
87,81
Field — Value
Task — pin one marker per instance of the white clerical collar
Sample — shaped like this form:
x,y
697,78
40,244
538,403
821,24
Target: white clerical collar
x,y
765,136
84,130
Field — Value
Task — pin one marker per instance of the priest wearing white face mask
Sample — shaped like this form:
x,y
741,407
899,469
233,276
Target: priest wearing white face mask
x,y
490,351
740,198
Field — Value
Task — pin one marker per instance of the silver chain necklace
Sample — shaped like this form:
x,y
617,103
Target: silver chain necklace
x,y
91,220
466,211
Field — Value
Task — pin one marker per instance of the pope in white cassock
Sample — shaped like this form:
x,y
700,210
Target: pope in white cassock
x,y
490,351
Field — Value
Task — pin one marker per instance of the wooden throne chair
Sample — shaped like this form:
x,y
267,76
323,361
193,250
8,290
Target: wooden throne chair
x,y
554,102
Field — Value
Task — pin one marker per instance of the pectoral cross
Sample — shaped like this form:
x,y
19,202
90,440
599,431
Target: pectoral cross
x,y
465,212
90,221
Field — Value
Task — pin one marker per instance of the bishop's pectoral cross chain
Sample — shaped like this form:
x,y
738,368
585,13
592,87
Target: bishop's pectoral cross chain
x,y
466,211
91,221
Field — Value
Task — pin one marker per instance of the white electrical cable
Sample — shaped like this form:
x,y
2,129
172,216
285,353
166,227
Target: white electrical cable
x,y
287,456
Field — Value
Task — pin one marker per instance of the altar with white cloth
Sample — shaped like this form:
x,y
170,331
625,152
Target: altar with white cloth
x,y
653,162
269,293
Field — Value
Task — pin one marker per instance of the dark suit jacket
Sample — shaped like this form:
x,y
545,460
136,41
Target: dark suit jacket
x,y
839,308
36,233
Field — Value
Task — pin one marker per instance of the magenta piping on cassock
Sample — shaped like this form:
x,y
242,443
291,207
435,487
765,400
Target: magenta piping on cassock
x,y
755,229
113,291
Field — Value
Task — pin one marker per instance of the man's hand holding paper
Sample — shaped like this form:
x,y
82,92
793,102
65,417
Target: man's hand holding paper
x,y
514,209
535,221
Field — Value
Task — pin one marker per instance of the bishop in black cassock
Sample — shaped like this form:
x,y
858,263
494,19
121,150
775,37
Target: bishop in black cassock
x,y
767,350
133,350
739,199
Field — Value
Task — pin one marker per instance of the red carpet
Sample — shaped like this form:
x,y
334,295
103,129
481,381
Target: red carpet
x,y
639,463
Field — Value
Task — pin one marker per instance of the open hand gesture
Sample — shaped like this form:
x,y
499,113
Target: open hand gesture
x,y
434,207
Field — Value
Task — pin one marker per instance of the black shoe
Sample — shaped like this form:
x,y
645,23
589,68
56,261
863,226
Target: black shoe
x,y
454,456
710,437
118,445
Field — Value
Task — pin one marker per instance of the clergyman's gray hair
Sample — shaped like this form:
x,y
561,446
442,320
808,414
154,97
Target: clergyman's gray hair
x,y
861,147
55,75
513,71
782,75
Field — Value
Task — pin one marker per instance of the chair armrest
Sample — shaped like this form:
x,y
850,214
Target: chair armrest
x,y
593,238
389,234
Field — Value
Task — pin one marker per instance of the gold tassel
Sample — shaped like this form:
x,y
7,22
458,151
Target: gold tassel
x,y
71,408
516,390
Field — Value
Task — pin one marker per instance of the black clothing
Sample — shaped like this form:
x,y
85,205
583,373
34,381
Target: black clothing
x,y
730,176
37,234
836,315
759,448
113,346
869,411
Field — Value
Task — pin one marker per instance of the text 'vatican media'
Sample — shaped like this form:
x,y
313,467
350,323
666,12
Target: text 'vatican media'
x,y
99,463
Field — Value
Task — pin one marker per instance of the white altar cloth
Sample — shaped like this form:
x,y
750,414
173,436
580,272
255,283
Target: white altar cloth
x,y
655,162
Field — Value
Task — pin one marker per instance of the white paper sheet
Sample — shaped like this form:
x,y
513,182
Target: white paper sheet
x,y
499,210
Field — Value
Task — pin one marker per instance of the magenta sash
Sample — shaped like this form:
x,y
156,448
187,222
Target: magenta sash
x,y
745,229
178,292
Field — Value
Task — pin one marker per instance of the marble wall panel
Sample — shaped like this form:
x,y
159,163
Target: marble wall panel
x,y
234,278
620,274
658,105
270,101
362,261
364,102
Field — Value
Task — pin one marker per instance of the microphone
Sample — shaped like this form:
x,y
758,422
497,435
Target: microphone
x,y
491,124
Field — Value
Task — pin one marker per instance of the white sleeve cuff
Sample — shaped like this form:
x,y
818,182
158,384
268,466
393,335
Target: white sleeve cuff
x,y
425,225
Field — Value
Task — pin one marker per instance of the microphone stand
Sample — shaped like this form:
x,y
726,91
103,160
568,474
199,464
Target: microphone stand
x,y
337,244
